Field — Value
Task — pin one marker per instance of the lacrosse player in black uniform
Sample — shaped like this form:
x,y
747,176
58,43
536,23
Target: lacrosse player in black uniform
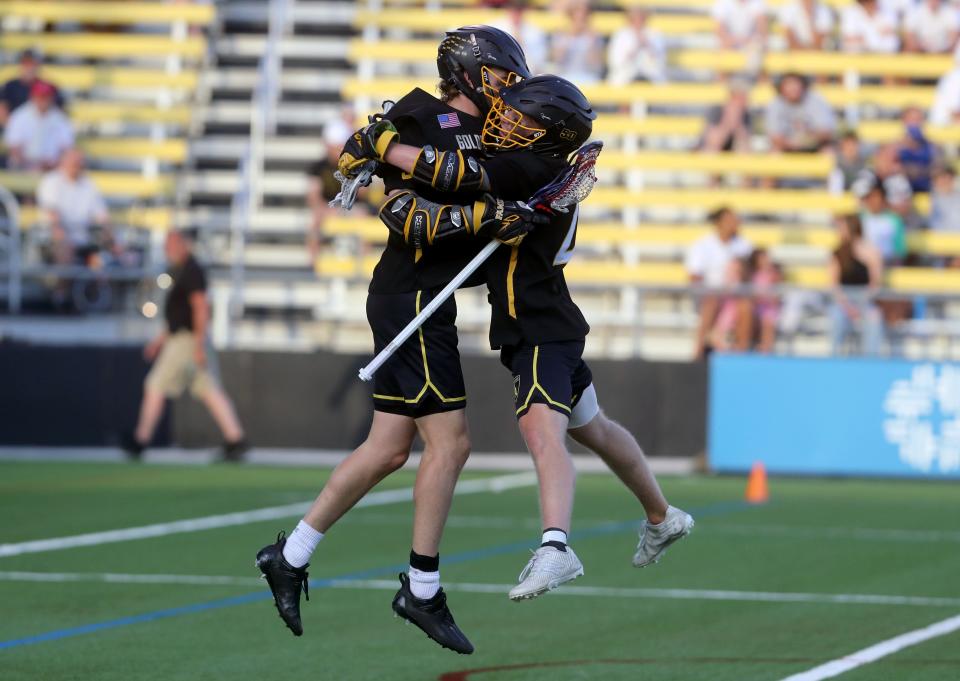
x,y
539,330
420,389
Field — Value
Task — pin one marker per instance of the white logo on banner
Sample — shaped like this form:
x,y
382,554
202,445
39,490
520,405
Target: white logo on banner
x,y
923,418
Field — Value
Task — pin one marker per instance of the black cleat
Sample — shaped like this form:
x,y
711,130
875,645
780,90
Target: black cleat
x,y
432,616
132,447
285,582
234,452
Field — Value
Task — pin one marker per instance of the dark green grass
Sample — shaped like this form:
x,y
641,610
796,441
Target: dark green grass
x,y
804,541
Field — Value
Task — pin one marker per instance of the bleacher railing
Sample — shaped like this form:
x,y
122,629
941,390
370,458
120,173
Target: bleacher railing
x,y
11,243
249,195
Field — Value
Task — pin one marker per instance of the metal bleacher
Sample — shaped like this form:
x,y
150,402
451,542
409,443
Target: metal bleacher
x,y
651,204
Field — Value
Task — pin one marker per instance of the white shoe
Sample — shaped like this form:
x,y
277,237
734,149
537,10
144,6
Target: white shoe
x,y
654,539
548,568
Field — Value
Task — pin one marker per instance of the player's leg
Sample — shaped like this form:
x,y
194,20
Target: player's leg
x,y
442,423
542,380
284,563
151,409
617,447
168,377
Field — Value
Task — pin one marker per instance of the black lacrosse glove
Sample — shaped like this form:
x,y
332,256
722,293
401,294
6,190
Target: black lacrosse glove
x,y
369,143
507,221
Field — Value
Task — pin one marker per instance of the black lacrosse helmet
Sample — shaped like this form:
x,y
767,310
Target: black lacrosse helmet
x,y
470,51
546,114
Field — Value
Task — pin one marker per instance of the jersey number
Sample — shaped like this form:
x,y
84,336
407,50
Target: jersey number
x,y
566,248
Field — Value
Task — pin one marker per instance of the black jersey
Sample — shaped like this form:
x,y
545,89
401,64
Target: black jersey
x,y
422,119
529,297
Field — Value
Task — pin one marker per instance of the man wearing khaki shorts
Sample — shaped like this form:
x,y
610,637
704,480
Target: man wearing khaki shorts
x,y
184,356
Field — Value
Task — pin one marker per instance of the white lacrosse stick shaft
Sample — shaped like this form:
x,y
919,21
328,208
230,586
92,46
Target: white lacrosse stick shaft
x,y
367,372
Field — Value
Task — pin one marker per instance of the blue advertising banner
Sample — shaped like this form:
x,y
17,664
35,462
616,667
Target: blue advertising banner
x,y
834,416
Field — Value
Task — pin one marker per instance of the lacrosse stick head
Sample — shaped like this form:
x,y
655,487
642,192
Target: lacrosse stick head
x,y
574,184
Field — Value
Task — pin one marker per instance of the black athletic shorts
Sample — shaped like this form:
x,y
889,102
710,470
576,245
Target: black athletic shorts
x,y
553,374
423,376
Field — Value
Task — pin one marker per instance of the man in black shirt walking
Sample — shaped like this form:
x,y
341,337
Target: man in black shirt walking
x,y
184,356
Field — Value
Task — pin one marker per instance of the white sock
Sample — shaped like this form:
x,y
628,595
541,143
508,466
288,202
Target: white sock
x,y
553,534
424,585
301,544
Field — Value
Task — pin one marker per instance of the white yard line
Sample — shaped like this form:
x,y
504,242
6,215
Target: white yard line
x,y
862,533
469,587
382,498
875,652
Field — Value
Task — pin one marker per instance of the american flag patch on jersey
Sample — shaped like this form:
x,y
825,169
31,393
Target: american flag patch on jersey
x,y
448,120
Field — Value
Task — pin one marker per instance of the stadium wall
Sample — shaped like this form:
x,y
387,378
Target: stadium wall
x,y
86,396
851,416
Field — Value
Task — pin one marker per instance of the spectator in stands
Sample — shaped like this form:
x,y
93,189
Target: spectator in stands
x,y
799,119
184,356
728,126
850,161
808,24
636,52
946,104
742,25
322,186
531,38
945,201
16,91
577,52
764,276
896,185
72,204
732,328
38,133
931,26
881,226
856,263
917,156
866,27
707,264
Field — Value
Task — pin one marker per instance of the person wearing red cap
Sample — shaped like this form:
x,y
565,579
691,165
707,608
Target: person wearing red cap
x,y
38,133
16,91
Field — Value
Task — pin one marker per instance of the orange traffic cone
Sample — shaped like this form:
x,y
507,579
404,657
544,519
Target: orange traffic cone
x,y
757,492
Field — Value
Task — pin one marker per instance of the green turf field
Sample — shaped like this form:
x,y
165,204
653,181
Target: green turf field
x,y
697,615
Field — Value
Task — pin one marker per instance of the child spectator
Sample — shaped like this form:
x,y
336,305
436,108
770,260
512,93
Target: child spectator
x,y
808,24
855,263
931,26
577,52
765,275
636,52
866,27
945,201
850,161
881,226
728,127
38,133
799,119
732,328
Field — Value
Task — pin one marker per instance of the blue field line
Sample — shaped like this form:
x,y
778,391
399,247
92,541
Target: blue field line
x,y
461,557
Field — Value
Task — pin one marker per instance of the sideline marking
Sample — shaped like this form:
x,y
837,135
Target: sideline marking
x,y
472,587
875,652
384,497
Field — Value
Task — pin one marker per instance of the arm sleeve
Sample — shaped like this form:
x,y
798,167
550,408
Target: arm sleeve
x,y
194,279
694,260
13,135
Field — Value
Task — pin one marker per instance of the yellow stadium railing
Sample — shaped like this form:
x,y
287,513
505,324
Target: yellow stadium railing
x,y
754,165
371,230
86,112
814,63
169,151
88,77
113,46
682,5
154,219
110,12
604,23
110,184
674,93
